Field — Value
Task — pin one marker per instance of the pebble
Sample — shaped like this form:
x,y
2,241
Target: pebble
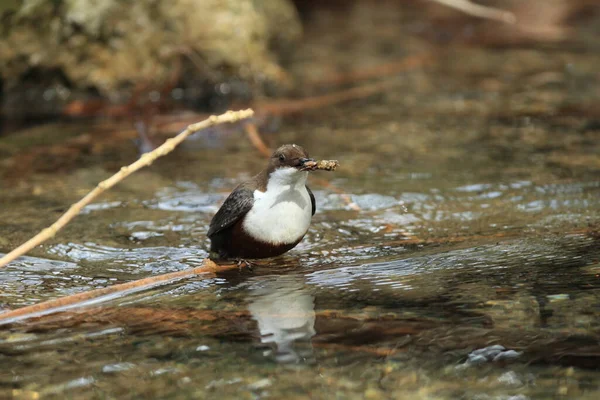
x,y
475,359
563,390
510,378
508,355
222,382
119,367
494,353
558,297
489,352
260,384
373,394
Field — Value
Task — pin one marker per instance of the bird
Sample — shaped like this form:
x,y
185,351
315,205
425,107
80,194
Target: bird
x,y
267,215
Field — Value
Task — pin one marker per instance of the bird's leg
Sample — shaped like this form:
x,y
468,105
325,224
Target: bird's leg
x,y
245,263
241,262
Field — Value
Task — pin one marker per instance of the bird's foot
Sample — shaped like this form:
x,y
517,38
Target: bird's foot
x,y
241,263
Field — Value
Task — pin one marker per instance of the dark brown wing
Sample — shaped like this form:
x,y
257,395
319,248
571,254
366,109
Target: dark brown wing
x,y
238,203
312,200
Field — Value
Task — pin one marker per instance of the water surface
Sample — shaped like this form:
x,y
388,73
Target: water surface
x,y
464,216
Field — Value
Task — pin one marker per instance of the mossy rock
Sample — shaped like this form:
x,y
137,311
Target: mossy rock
x,y
115,46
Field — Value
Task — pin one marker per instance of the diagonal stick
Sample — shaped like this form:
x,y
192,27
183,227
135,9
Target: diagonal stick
x,y
144,161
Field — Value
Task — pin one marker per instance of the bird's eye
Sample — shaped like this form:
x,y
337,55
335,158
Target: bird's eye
x,y
281,157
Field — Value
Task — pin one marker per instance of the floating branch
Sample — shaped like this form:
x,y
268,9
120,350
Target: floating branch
x,y
97,296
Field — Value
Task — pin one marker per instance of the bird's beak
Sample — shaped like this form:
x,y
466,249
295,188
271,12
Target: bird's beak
x,y
303,161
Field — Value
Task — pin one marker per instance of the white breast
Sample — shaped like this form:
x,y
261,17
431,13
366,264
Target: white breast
x,y
282,213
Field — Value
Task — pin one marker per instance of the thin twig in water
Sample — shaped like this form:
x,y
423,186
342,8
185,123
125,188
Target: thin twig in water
x,y
97,295
144,161
256,140
477,10
285,107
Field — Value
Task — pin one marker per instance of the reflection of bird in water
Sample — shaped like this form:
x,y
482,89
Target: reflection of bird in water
x,y
284,310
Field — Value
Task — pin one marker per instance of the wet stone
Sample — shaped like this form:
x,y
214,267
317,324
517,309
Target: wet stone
x,y
477,359
495,353
510,378
488,352
260,384
114,368
507,355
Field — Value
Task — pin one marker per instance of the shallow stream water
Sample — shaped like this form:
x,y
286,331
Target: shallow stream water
x,y
453,255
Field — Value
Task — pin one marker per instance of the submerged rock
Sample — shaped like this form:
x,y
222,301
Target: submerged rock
x,y
495,353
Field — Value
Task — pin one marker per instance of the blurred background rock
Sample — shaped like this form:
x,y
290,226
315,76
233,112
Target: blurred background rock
x,y
65,49
75,57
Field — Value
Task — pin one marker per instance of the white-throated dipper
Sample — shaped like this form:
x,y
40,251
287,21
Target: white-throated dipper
x,y
267,215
